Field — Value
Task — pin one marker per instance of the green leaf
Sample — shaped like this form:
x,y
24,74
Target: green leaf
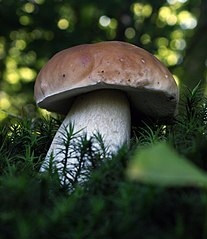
x,y
161,165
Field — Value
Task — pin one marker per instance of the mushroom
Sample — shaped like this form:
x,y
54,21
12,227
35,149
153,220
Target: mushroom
x,y
97,86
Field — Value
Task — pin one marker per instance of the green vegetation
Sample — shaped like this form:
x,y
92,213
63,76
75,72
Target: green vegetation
x,y
111,201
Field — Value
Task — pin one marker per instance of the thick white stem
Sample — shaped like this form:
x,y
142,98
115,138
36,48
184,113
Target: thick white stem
x,y
105,111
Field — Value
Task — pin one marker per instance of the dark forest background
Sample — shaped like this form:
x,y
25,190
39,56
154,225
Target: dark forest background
x,y
32,31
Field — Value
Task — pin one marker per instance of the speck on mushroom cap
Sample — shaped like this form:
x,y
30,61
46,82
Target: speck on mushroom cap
x,y
107,65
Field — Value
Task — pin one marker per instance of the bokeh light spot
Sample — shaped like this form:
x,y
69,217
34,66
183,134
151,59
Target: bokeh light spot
x,y
12,77
39,1
24,20
187,20
130,33
29,7
63,24
4,101
104,21
27,74
113,23
144,10
178,44
166,15
172,59
20,44
145,39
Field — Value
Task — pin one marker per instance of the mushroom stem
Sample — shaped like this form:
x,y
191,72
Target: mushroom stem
x,y
104,111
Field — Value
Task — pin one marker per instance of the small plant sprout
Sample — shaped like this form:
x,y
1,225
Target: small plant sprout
x,y
100,87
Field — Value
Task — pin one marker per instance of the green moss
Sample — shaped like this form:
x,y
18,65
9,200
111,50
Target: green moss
x,y
106,204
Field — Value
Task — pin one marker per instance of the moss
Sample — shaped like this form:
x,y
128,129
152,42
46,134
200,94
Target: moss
x,y
106,204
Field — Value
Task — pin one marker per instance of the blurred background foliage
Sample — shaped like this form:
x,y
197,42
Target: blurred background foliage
x,y
32,31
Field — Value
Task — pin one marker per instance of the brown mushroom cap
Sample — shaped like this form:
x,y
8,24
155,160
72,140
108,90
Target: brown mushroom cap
x,y
149,85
